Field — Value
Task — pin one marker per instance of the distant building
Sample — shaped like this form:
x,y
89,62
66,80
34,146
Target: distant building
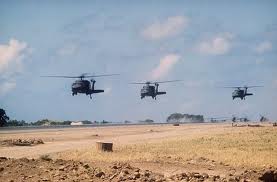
x,y
75,123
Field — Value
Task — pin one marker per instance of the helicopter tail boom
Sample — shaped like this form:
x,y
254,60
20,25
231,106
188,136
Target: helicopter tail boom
x,y
161,93
96,91
248,94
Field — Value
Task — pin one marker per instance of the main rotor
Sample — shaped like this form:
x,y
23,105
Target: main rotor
x,y
243,87
82,76
154,82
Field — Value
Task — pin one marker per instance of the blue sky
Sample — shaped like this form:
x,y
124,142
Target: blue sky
x,y
208,44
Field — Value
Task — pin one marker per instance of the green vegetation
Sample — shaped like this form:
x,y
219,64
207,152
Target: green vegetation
x,y
47,122
147,121
17,123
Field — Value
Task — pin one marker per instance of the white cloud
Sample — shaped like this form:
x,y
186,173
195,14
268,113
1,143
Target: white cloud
x,y
166,64
263,47
11,55
6,87
171,26
219,45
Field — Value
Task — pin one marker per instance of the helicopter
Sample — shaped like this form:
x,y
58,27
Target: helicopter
x,y
151,89
240,119
241,92
83,86
217,119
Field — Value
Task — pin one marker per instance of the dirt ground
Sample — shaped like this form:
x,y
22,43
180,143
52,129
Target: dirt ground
x,y
69,154
59,140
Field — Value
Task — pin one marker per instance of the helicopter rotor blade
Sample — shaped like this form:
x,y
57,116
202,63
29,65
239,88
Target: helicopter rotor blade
x,y
91,76
232,87
168,81
141,83
154,82
62,76
252,86
84,75
244,87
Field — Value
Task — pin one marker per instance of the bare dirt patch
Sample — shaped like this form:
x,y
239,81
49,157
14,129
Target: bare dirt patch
x,y
209,152
68,170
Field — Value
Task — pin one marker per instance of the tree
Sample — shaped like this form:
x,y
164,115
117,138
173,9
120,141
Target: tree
x,y
16,123
147,121
175,117
178,117
3,118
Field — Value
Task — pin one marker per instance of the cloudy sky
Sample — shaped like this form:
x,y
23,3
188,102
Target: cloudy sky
x,y
208,44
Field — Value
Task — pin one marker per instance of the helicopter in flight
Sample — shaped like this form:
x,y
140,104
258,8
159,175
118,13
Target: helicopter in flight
x,y
241,92
151,89
83,86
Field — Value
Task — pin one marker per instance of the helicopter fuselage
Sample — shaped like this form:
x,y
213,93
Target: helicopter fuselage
x,y
84,87
150,91
239,93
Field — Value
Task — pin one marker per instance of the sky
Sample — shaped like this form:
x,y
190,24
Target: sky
x,y
207,44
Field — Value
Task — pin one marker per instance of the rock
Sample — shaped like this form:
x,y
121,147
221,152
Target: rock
x,y
114,167
123,174
136,175
61,168
269,176
24,159
86,166
3,158
113,176
232,180
100,174
205,175
145,173
1,169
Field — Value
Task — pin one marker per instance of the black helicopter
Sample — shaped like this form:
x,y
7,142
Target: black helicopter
x,y
241,92
83,86
151,89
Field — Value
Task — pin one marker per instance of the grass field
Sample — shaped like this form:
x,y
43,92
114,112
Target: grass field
x,y
237,147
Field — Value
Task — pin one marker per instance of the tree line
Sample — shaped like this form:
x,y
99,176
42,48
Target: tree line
x,y
175,117
189,118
